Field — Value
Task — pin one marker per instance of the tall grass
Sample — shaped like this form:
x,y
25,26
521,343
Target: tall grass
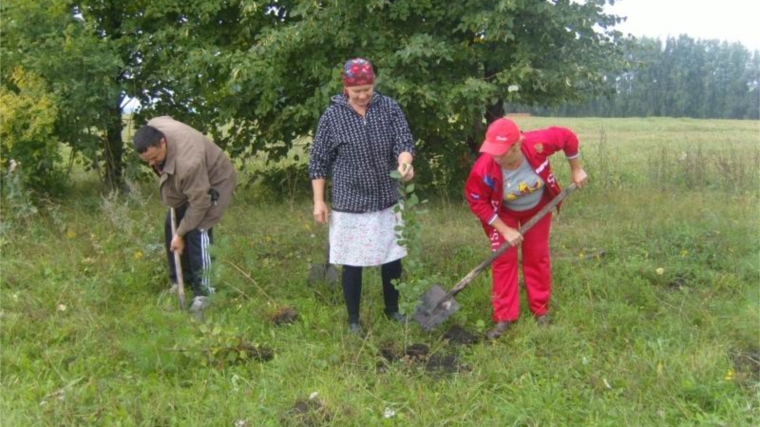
x,y
662,330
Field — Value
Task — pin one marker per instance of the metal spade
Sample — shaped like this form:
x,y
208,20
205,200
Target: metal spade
x,y
323,273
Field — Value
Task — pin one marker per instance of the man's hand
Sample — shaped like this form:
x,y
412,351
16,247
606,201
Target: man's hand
x,y
320,212
177,244
406,170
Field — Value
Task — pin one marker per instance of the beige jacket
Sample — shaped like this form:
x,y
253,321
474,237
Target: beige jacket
x,y
194,165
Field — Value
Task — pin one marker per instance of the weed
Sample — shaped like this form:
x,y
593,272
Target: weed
x,y
18,200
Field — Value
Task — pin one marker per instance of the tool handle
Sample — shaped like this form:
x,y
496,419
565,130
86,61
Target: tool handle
x,y
503,248
177,262
327,247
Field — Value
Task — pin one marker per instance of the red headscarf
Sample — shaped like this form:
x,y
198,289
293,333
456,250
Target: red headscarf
x,y
358,72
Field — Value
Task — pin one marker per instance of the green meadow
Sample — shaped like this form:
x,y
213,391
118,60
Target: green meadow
x,y
656,304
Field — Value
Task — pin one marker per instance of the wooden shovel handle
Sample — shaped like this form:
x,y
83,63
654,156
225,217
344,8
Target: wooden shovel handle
x,y
524,229
327,249
177,263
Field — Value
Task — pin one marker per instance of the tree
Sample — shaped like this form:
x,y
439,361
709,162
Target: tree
x,y
27,130
453,66
257,75
95,55
683,78
46,39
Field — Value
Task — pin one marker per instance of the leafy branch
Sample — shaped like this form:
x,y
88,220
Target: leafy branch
x,y
413,283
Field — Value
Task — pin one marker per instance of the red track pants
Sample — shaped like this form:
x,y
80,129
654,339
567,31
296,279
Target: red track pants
x,y
537,271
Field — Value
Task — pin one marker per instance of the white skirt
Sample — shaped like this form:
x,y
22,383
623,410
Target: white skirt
x,y
364,239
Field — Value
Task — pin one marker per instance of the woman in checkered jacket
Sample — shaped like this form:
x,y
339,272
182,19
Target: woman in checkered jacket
x,y
362,136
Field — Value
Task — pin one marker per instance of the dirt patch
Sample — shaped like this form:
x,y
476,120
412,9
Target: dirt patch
x,y
284,316
260,353
445,363
418,355
307,413
388,353
413,352
460,336
417,351
746,366
678,283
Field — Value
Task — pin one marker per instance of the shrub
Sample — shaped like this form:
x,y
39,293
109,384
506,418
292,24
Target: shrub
x,y
27,131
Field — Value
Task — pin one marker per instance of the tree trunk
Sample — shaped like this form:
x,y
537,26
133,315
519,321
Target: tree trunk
x,y
473,142
114,150
494,111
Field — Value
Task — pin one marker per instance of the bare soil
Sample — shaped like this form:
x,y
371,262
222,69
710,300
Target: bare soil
x,y
445,363
285,316
418,355
460,336
746,366
307,413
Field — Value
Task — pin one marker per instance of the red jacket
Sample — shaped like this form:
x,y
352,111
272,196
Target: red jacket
x,y
484,189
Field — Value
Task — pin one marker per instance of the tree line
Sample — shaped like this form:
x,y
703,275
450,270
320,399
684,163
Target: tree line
x,y
680,77
256,75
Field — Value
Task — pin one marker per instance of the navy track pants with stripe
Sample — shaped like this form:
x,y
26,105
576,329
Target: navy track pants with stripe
x,y
195,259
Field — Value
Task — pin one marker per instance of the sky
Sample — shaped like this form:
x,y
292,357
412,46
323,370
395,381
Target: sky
x,y
725,20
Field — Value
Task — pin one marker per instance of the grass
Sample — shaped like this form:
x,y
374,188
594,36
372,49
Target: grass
x,y
661,331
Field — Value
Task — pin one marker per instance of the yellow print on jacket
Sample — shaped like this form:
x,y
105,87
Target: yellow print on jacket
x,y
522,189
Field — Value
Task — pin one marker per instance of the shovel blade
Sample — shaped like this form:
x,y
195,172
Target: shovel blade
x,y
433,310
321,273
316,273
331,275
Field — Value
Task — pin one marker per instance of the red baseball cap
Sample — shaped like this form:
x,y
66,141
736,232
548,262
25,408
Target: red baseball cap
x,y
501,134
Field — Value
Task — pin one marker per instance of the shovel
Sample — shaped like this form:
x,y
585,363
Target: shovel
x,y
437,305
323,273
178,264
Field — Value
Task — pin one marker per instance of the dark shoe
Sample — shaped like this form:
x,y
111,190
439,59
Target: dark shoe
x,y
396,317
543,321
498,330
355,329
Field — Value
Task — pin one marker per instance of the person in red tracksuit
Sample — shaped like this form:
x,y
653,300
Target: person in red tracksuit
x,y
508,184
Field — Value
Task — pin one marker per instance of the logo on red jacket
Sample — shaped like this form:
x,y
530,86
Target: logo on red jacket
x,y
539,148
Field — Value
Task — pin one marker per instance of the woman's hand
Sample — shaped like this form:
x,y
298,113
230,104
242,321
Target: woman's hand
x,y
320,212
577,174
406,170
579,177
512,236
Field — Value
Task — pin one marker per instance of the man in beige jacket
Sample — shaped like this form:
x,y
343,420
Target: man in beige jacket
x,y
197,180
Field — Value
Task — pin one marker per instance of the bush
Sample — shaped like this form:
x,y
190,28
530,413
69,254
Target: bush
x,y
27,132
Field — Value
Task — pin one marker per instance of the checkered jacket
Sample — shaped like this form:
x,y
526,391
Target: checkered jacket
x,y
358,153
